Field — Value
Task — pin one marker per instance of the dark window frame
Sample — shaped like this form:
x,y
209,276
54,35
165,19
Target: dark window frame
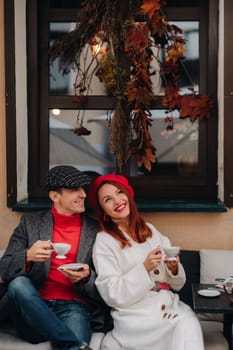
x,y
10,94
228,104
203,187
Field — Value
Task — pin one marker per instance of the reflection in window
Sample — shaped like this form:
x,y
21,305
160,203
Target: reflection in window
x,y
60,84
189,73
177,146
63,84
86,152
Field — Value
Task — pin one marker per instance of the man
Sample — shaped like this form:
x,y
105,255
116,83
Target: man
x,y
47,303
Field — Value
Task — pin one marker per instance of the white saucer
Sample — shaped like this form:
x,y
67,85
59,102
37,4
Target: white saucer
x,y
75,266
210,293
172,258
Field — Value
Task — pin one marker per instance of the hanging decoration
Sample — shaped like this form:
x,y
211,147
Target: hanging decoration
x,y
123,37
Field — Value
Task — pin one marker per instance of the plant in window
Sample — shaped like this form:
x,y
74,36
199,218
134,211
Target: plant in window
x,y
124,37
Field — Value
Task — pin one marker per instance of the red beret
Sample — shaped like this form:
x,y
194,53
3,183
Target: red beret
x,y
99,181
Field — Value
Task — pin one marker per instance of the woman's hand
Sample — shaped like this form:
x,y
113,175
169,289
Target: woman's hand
x,y
153,259
172,265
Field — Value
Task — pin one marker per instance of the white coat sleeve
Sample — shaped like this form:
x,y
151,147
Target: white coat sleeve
x,y
118,289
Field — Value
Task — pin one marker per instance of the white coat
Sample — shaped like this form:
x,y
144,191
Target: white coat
x,y
144,319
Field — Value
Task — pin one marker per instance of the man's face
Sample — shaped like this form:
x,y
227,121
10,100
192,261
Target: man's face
x,y
69,201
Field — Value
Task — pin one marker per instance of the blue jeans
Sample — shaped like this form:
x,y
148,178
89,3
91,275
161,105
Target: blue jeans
x,y
65,323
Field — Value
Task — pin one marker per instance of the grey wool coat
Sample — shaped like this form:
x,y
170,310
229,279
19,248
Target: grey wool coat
x,y
39,226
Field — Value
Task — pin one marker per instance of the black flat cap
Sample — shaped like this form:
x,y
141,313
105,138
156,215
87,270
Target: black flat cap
x,y
66,176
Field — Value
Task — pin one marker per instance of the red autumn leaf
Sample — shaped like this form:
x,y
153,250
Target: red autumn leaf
x,y
202,106
144,151
195,106
82,131
141,121
187,107
158,24
141,96
137,38
149,6
147,158
142,78
170,67
171,99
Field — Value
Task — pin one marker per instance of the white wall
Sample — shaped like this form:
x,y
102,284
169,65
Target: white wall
x,y
21,98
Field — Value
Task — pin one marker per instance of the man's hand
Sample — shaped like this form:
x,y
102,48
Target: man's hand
x,y
40,251
77,275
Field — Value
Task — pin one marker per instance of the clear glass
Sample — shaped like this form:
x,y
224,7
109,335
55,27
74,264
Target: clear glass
x,y
88,152
63,84
189,72
176,144
177,148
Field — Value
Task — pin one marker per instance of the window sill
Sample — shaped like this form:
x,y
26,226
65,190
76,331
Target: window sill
x,y
181,206
143,206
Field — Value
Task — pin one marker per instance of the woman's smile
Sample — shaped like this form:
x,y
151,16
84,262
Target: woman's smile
x,y
120,207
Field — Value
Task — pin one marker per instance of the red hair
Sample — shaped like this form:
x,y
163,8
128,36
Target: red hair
x,y
138,230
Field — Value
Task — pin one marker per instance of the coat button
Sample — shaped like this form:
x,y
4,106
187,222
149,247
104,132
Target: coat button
x,y
163,307
156,272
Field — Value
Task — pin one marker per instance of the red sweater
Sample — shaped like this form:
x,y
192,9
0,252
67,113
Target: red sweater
x,y
66,229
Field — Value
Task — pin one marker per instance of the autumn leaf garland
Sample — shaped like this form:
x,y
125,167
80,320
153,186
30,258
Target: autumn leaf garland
x,y
130,30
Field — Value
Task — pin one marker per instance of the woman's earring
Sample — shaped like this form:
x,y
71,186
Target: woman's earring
x,y
106,218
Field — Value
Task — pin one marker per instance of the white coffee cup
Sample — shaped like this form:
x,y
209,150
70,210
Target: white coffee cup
x,y
228,285
61,249
171,252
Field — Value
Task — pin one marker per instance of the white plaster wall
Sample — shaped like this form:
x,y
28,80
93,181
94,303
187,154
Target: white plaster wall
x,y
21,98
196,230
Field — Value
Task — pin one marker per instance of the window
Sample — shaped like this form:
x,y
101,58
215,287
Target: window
x,y
187,158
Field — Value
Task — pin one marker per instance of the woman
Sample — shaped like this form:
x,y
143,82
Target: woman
x,y
134,277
